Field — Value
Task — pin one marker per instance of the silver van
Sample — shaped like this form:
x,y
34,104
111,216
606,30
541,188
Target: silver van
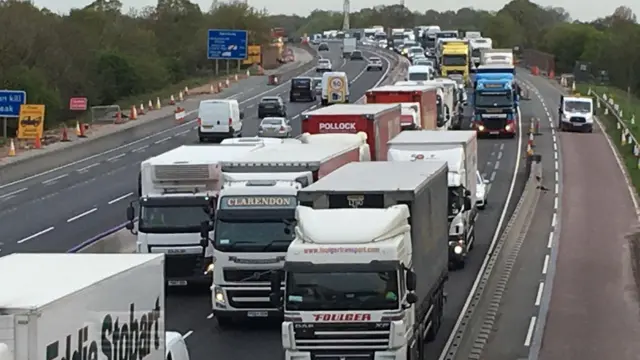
x,y
219,120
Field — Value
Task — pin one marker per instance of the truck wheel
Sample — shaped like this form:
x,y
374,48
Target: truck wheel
x,y
224,322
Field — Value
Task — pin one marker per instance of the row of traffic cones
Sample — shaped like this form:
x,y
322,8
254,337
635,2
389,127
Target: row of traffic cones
x,y
64,137
534,129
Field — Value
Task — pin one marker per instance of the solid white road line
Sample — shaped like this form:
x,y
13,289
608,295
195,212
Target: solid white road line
x,y
55,179
8,195
119,198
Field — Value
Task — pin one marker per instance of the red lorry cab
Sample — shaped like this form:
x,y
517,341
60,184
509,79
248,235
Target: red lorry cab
x,y
381,123
423,94
319,159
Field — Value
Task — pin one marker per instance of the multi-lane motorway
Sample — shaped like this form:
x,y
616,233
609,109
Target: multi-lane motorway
x,y
66,206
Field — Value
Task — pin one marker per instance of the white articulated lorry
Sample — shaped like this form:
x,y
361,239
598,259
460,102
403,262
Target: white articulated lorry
x,y
365,275
451,99
460,150
85,307
177,189
254,218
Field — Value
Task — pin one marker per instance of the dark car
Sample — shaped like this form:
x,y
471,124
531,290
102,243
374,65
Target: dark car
x,y
302,89
357,55
271,106
323,47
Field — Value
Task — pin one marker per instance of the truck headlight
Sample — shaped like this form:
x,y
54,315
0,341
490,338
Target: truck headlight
x,y
218,296
508,127
458,249
481,127
209,269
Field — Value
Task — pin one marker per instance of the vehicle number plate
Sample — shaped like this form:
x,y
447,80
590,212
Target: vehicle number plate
x,y
177,282
207,126
257,314
495,133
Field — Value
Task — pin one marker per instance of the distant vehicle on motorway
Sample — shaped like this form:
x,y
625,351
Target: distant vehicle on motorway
x,y
356,55
375,63
302,89
323,47
277,127
271,106
324,65
317,85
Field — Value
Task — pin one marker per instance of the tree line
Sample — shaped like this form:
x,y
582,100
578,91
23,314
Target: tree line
x,y
106,54
611,43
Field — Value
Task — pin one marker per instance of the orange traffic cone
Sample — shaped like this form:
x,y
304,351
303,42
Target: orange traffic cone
x,y
150,106
219,87
141,111
530,142
12,149
38,142
186,91
65,135
235,77
134,113
80,130
172,100
119,118
212,90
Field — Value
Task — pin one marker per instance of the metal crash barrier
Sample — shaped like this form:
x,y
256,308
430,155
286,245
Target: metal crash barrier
x,y
106,114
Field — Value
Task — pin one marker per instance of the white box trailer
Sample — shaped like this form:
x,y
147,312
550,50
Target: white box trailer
x,y
460,150
83,307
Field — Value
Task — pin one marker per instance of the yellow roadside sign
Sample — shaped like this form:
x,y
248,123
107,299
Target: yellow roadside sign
x,y
30,122
253,55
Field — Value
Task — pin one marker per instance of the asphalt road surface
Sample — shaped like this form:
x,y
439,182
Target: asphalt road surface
x,y
589,304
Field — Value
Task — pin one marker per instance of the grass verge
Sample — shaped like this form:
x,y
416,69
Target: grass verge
x,y
629,106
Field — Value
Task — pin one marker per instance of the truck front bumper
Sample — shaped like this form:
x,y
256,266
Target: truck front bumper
x,y
242,303
400,354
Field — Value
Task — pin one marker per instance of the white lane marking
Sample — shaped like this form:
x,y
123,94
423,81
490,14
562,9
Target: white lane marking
x,y
545,265
141,148
539,295
554,220
532,326
119,198
185,336
494,240
210,316
82,215
114,158
181,133
13,193
500,155
555,203
163,140
497,165
86,168
550,241
36,235
493,176
55,179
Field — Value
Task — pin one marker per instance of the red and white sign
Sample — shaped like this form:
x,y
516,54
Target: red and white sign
x,y
340,127
342,317
78,103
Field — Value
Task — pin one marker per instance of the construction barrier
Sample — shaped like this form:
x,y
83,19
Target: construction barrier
x,y
105,114
273,80
180,114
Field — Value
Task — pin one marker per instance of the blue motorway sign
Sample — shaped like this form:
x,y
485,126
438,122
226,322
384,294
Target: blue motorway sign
x,y
10,101
227,44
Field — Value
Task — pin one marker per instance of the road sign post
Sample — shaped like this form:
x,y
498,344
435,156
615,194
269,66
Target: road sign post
x,y
10,102
227,45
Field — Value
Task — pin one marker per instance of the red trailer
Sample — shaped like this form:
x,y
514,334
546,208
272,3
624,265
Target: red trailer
x,y
381,123
423,94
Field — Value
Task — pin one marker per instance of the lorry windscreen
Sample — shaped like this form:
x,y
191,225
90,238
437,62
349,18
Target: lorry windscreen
x,y
455,200
577,106
254,230
419,76
475,53
339,291
454,60
493,99
172,216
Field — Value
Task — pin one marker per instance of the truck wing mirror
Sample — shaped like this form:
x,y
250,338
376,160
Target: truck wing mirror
x,y
411,280
204,234
241,114
467,202
412,298
131,213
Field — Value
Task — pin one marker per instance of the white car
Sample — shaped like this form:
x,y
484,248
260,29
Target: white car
x,y
481,191
375,63
324,65
275,127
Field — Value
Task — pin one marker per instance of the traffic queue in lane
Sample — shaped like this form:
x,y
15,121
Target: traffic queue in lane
x,y
265,179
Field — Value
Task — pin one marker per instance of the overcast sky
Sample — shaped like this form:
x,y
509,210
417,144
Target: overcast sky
x,y
577,8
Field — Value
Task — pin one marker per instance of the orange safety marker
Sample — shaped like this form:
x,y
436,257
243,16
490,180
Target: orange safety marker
x,y
141,111
180,114
38,142
133,115
12,149
150,105
65,135
172,100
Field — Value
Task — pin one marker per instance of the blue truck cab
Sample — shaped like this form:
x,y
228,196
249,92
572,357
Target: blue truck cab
x,y
495,104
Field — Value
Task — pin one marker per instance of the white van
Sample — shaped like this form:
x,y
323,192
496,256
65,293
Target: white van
x,y
420,73
219,119
335,88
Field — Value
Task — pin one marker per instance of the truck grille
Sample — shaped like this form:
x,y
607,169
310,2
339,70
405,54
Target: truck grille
x,y
248,298
181,266
577,119
494,124
249,275
342,355
336,337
